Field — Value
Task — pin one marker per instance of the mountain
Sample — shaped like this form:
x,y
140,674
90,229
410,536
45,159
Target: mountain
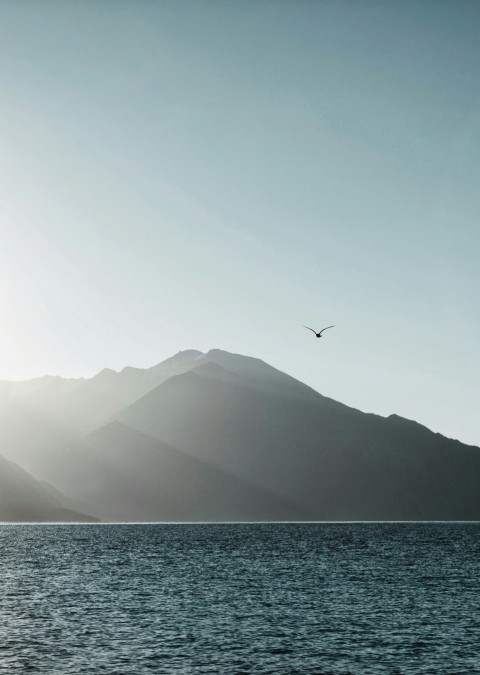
x,y
335,462
43,418
125,475
75,407
222,436
22,498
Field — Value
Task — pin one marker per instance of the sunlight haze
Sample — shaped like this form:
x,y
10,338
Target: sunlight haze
x,y
201,174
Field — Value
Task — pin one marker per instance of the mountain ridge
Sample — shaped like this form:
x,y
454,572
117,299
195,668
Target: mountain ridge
x,y
202,421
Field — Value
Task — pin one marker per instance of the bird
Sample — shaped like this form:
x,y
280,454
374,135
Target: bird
x,y
320,333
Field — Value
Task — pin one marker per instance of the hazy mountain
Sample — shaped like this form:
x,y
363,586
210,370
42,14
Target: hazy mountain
x,y
249,420
74,407
126,475
32,438
22,498
221,436
47,386
41,419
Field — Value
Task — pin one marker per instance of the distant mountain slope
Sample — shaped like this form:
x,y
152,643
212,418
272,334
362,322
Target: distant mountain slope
x,y
331,460
275,439
76,407
31,438
44,387
221,436
125,475
79,406
41,419
22,498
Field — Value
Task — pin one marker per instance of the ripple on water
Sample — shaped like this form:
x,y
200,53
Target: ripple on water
x,y
279,598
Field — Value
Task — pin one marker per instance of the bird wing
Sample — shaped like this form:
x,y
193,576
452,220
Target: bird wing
x,y
313,331
326,329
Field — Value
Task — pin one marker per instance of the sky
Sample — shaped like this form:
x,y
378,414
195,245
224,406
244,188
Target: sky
x,y
217,174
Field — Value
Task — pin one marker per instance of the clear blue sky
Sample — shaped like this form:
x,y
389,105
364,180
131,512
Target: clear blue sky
x,y
215,174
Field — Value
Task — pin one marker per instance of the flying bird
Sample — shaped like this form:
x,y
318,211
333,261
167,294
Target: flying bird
x,y
320,333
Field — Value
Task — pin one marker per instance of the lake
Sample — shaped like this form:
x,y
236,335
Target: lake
x,y
241,598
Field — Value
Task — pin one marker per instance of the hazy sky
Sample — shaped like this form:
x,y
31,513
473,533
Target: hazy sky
x,y
215,174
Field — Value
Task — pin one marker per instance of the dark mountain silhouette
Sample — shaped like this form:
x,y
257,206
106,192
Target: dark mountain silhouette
x,y
250,420
221,436
22,498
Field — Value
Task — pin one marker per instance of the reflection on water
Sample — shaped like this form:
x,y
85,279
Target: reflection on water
x,y
281,598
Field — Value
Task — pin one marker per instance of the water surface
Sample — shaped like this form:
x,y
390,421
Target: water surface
x,y
271,598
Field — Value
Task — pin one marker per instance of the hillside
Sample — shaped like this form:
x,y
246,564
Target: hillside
x,y
22,498
221,436
125,475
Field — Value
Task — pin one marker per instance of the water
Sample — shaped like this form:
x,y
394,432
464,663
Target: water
x,y
281,598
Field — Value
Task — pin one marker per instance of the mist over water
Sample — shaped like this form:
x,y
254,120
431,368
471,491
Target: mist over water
x,y
250,598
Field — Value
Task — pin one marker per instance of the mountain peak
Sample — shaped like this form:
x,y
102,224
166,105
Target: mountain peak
x,y
179,362
196,421
187,355
105,374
